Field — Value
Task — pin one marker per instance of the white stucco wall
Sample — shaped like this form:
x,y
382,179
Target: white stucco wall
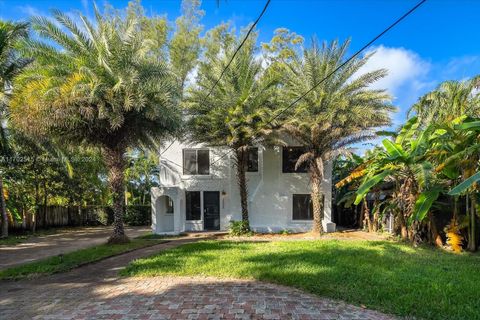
x,y
270,190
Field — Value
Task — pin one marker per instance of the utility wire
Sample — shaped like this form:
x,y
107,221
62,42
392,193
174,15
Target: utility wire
x,y
250,30
406,14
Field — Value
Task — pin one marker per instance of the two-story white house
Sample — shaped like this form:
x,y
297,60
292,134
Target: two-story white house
x,y
199,191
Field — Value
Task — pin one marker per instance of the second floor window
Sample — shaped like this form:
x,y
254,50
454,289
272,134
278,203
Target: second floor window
x,y
290,157
196,161
252,160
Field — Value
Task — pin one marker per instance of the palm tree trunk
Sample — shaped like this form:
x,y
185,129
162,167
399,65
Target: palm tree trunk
x,y
116,164
241,154
472,239
366,215
375,222
316,195
3,207
403,226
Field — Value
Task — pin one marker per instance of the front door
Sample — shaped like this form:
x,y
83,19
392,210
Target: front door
x,y
211,210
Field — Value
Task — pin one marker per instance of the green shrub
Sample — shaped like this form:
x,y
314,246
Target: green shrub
x,y
138,216
239,228
104,215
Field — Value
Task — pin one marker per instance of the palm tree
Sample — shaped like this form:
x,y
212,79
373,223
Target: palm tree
x,y
452,99
10,65
235,113
101,83
340,111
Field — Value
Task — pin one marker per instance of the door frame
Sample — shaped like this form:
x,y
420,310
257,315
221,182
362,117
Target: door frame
x,y
203,209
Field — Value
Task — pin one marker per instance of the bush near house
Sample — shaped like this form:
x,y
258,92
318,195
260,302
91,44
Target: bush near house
x,y
138,215
239,228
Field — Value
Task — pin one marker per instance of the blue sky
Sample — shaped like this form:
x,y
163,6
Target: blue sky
x,y
439,41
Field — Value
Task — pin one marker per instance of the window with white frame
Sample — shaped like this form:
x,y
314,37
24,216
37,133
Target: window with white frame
x,y
196,161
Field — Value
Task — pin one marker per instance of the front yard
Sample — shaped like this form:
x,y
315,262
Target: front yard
x,y
68,261
387,276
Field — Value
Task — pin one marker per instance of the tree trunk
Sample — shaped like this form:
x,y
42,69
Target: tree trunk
x,y
375,224
45,201
35,211
436,238
3,208
316,195
241,154
403,226
116,164
358,215
472,238
366,215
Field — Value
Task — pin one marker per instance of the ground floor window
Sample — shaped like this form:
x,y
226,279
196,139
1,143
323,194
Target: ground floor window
x,y
302,207
193,211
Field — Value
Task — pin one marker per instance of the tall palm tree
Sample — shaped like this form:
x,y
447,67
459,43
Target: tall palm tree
x,y
101,83
11,63
235,113
340,111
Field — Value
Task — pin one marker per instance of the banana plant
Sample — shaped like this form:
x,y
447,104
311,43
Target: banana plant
x,y
403,161
462,160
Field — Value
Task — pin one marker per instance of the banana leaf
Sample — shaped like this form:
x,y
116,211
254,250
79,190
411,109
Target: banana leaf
x,y
368,184
424,203
451,171
464,185
394,150
407,130
468,125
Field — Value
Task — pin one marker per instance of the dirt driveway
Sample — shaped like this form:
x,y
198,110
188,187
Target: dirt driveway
x,y
36,248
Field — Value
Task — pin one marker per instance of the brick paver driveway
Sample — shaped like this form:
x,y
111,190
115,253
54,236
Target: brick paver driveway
x,y
96,292
59,243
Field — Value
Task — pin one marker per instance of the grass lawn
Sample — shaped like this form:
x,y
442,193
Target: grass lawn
x,y
72,259
387,276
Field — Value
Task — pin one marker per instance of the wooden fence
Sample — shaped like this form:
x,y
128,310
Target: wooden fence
x,y
58,216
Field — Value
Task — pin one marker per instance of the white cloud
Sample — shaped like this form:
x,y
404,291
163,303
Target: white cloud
x,y
405,68
191,78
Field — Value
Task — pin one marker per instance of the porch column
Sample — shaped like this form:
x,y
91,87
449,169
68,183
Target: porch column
x,y
178,219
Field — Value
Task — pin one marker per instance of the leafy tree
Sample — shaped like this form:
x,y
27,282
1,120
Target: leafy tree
x,y
186,44
102,84
452,99
340,111
141,176
11,63
237,112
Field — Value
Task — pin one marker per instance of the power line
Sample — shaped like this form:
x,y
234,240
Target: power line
x,y
336,69
406,14
250,30
238,49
